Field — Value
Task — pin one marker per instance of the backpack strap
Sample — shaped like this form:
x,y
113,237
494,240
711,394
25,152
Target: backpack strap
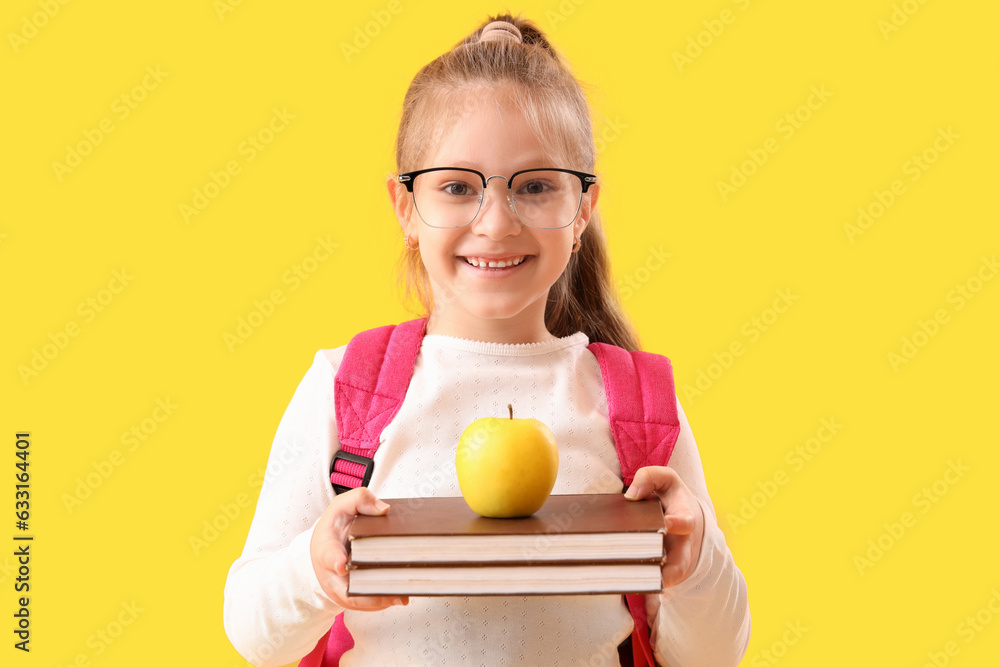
x,y
642,409
642,406
368,391
326,648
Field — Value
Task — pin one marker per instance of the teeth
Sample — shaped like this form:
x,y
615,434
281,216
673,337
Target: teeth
x,y
493,264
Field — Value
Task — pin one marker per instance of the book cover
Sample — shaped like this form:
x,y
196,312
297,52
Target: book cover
x,y
568,528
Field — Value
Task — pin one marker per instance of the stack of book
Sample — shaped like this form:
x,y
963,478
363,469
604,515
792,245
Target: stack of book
x,y
575,544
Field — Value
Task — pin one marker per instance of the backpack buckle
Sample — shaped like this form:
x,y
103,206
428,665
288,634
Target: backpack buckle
x,y
344,476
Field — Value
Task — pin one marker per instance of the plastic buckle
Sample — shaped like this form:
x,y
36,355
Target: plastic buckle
x,y
368,463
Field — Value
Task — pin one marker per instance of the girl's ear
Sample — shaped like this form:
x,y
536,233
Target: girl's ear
x,y
402,202
587,207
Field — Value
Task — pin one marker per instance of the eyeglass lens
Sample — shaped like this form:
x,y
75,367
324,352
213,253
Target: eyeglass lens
x,y
452,198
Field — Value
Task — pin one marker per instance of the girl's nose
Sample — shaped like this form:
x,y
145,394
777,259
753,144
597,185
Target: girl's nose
x,y
496,217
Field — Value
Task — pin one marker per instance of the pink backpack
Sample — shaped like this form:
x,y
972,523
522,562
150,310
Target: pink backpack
x,y
369,389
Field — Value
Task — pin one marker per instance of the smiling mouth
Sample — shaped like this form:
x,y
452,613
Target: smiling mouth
x,y
483,263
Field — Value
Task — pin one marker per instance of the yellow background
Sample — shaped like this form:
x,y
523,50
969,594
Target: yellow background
x,y
671,131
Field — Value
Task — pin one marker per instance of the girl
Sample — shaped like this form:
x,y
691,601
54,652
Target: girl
x,y
511,266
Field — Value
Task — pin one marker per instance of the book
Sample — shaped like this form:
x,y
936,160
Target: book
x,y
568,579
576,543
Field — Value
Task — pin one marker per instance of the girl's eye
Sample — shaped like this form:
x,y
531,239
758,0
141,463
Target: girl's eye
x,y
458,189
534,188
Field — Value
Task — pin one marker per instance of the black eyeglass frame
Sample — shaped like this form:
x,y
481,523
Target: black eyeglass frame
x,y
586,180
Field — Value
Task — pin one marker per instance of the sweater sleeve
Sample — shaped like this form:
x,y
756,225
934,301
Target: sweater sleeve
x,y
274,609
704,620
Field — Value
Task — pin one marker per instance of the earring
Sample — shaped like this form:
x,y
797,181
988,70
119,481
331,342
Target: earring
x,y
577,242
406,241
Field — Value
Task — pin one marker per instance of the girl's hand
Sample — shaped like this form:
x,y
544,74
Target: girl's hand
x,y
683,519
328,548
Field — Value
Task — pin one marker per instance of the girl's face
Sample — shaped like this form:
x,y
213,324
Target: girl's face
x,y
505,305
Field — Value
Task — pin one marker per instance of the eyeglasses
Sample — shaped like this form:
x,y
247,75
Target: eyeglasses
x,y
449,197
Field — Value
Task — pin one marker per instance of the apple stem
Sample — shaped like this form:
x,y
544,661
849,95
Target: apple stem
x,y
511,408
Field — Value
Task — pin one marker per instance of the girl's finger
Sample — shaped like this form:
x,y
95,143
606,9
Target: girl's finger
x,y
358,501
375,602
680,524
678,562
650,480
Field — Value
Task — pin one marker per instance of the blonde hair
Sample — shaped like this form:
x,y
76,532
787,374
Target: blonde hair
x,y
552,101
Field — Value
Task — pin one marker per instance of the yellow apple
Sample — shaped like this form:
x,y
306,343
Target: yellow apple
x,y
506,467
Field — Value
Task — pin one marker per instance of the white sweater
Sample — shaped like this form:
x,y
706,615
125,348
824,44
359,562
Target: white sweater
x,y
275,610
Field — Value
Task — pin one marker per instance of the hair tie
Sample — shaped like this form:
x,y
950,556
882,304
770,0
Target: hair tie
x,y
500,30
